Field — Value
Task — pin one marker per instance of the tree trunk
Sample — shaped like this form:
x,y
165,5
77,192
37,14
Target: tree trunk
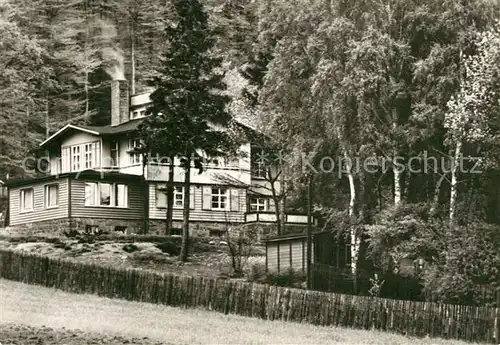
x,y
454,181
47,119
397,187
87,63
132,58
437,192
170,197
396,171
185,226
351,210
282,198
277,201
277,208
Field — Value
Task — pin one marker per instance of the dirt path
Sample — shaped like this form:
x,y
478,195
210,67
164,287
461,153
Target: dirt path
x,y
119,320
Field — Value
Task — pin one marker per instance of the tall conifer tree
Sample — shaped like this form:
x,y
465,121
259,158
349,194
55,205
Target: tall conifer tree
x,y
189,110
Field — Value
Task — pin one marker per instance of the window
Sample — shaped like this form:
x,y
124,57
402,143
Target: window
x,y
121,228
258,204
175,232
90,193
51,195
219,198
135,158
91,229
137,114
75,158
105,194
216,233
88,156
26,200
178,196
80,157
161,196
115,153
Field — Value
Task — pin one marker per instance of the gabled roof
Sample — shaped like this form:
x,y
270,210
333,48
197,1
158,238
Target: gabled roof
x,y
125,127
65,129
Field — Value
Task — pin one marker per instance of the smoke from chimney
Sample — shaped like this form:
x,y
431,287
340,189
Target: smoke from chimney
x,y
114,60
112,55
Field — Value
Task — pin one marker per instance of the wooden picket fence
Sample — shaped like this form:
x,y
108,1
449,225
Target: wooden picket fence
x,y
479,324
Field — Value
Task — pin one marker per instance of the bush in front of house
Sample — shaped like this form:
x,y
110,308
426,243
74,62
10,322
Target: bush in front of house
x,y
290,278
171,246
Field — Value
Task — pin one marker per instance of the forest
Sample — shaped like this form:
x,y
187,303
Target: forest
x,y
409,88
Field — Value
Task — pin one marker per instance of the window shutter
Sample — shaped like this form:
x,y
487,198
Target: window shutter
x,y
161,197
65,156
235,200
192,190
207,198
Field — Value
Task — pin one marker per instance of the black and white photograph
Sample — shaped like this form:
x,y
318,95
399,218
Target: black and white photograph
x,y
249,172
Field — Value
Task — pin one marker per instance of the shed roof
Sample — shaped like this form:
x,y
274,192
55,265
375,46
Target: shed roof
x,y
288,237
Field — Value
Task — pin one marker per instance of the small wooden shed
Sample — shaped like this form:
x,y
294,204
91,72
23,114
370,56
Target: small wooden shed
x,y
290,251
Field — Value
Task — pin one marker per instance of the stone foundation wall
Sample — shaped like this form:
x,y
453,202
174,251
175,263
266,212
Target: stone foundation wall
x,y
54,227
58,227
196,229
108,225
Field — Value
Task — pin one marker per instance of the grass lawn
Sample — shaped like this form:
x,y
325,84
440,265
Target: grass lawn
x,y
109,320
207,260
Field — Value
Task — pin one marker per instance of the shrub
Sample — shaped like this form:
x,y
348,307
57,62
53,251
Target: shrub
x,y
130,248
257,273
71,233
169,247
290,278
140,257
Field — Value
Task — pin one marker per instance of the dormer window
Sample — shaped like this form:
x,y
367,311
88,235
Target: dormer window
x,y
135,115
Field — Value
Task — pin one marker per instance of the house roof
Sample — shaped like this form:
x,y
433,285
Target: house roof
x,y
111,176
125,127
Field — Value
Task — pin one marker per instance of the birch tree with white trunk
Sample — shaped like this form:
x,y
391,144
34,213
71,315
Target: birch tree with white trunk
x,y
467,117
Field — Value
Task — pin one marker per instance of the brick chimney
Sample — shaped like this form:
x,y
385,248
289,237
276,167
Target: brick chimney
x,y
120,102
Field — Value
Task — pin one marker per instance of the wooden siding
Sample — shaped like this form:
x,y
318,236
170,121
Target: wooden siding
x,y
297,255
297,248
272,257
134,211
197,213
78,138
284,256
39,213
